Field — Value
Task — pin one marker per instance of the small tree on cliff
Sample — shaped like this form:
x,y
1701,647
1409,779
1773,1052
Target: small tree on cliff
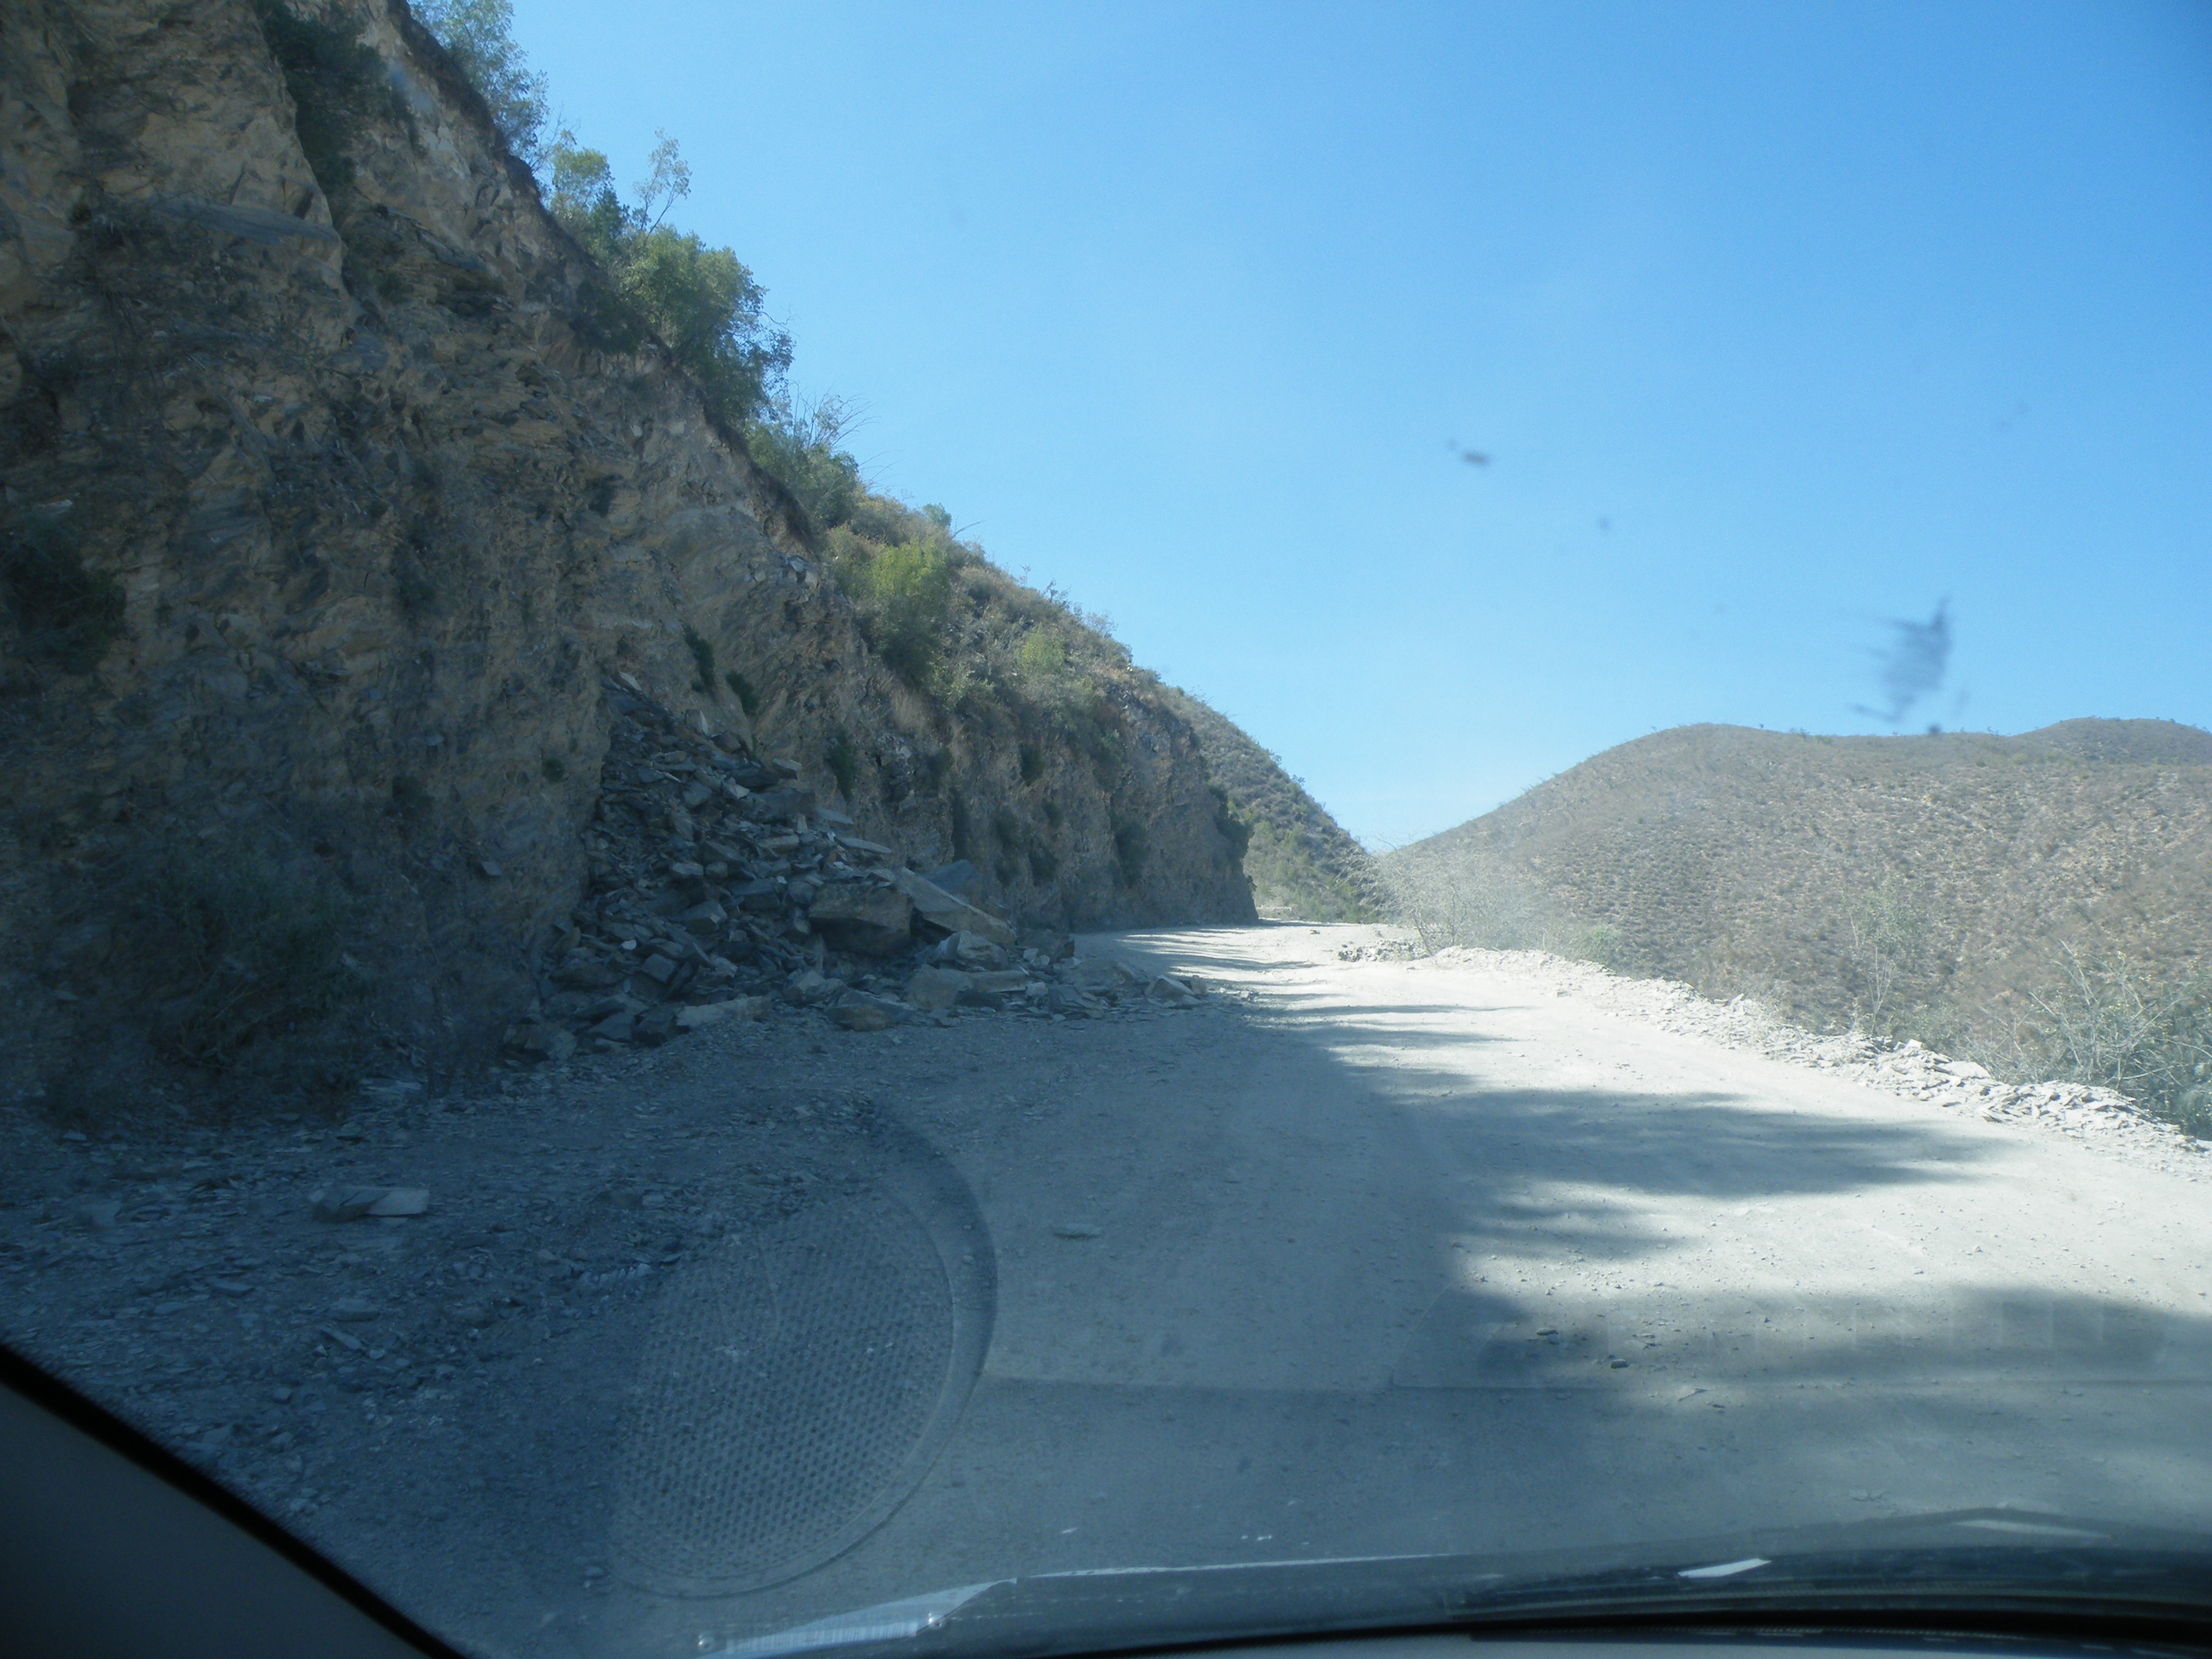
x,y
701,301
480,34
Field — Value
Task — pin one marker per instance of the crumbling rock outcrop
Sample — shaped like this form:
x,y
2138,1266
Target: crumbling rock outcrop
x,y
719,884
355,519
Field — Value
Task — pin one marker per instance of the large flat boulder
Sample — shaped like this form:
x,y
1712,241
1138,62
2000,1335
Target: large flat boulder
x,y
960,878
948,915
1097,975
1000,990
935,989
863,918
781,805
856,1011
970,950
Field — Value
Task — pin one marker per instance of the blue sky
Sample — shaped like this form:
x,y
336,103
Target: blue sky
x,y
1775,321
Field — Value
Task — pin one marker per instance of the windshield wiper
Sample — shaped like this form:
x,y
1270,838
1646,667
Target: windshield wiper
x,y
888,1621
1977,1570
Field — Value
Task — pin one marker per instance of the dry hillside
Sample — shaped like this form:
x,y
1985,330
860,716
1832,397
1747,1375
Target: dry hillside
x,y
1931,879
1302,862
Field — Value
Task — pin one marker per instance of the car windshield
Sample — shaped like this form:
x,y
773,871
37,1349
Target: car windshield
x,y
631,1010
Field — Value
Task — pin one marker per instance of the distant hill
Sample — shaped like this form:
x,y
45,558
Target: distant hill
x,y
1921,882
1301,863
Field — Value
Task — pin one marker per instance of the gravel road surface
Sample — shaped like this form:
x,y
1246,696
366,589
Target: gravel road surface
x,y
1354,1258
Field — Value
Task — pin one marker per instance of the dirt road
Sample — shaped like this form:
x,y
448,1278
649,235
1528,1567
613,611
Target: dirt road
x,y
1416,1258
1356,1258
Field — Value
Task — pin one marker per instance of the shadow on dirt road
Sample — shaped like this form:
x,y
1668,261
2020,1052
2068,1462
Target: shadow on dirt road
x,y
1350,1260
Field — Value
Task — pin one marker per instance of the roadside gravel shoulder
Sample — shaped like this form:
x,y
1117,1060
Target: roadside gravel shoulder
x,y
2102,1120
428,1311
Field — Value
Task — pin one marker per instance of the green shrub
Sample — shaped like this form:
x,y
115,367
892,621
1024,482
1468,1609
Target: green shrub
x,y
1043,654
479,33
1888,935
1007,827
254,948
338,84
844,762
1043,862
2107,1022
700,301
800,449
1287,878
1101,743
956,686
1234,830
554,768
1602,942
692,293
748,699
905,592
1031,760
1130,850
702,662
68,614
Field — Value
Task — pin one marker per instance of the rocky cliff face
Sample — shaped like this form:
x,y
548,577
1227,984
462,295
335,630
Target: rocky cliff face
x,y
326,524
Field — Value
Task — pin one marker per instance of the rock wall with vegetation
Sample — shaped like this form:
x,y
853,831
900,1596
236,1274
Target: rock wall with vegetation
x,y
1303,865
336,488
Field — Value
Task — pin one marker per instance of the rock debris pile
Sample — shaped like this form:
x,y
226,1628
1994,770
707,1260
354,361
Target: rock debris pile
x,y
721,886
1379,950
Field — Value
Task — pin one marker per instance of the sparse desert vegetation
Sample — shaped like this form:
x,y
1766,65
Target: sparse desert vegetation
x,y
2042,904
1302,862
